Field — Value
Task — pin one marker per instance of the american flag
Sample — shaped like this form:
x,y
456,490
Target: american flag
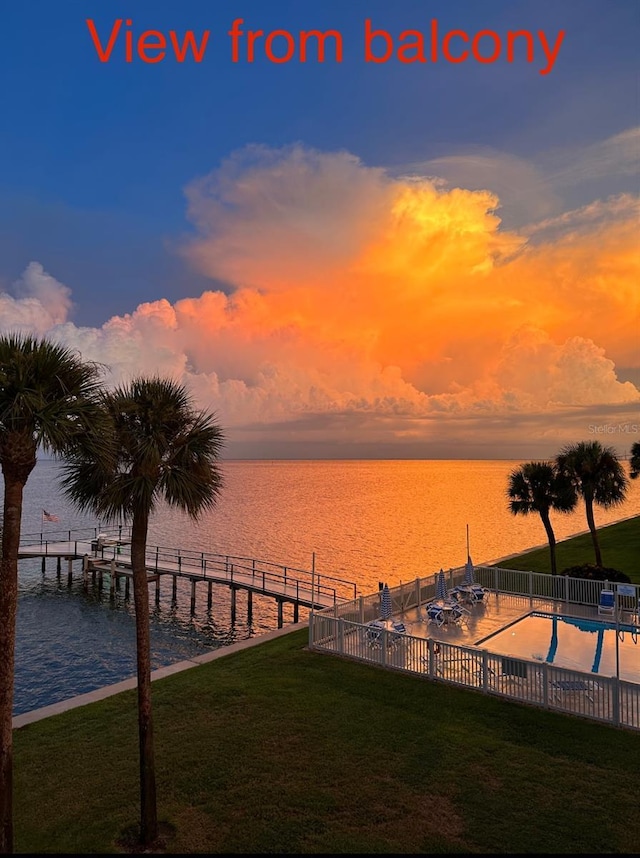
x,y
49,516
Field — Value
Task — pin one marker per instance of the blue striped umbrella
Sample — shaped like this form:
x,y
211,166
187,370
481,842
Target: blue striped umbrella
x,y
386,609
441,586
469,571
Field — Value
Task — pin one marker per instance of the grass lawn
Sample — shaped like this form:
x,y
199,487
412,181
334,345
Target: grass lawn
x,y
275,749
619,544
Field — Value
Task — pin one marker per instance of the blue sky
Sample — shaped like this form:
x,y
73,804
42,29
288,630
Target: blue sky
x,y
102,193
96,156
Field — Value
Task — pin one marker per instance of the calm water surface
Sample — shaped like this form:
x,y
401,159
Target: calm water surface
x,y
365,521
573,643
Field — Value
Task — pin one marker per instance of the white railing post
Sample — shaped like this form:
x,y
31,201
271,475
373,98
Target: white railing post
x,y
615,700
431,658
545,684
485,671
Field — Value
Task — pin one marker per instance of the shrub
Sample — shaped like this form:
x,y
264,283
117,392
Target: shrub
x,y
596,573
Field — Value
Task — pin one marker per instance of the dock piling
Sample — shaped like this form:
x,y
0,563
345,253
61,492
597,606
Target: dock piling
x,y
234,591
254,577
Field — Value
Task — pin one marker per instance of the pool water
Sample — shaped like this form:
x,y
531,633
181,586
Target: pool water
x,y
573,643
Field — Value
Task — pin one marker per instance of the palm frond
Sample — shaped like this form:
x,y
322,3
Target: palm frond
x,y
160,448
49,396
595,472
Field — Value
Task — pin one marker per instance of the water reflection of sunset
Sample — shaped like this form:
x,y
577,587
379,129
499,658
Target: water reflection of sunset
x,y
573,643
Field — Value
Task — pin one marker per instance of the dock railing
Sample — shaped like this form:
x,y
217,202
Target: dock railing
x,y
112,543
82,535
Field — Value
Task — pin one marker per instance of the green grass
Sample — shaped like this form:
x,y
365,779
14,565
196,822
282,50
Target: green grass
x,y
275,749
619,544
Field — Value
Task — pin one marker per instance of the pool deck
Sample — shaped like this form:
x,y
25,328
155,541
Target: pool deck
x,y
494,613
570,690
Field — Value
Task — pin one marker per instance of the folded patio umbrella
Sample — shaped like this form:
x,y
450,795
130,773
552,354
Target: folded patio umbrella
x,y
385,603
469,571
441,586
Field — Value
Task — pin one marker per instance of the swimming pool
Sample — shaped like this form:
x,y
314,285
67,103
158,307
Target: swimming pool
x,y
571,642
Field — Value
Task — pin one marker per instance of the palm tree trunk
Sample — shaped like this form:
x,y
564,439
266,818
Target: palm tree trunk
x,y
8,610
552,540
148,805
588,502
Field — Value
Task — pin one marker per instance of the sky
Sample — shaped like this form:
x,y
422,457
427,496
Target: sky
x,y
423,243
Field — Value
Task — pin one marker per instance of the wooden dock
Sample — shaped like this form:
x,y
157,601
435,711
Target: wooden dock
x,y
105,557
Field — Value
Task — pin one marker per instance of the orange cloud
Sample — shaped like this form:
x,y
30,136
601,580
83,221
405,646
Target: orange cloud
x,y
352,292
421,278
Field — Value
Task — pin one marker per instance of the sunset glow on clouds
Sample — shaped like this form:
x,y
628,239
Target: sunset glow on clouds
x,y
368,308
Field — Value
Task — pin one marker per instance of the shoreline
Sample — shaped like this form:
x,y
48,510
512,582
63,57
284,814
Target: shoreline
x,y
102,693
128,684
543,545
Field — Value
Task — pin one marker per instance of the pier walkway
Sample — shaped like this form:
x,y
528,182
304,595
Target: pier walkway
x,y
107,553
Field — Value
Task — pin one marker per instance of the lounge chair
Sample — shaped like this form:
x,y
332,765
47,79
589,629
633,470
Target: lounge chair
x,y
470,593
399,631
561,687
514,674
607,603
374,632
459,615
478,592
435,615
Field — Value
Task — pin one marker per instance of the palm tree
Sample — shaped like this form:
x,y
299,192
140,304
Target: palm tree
x,y
634,461
48,399
597,476
539,487
166,450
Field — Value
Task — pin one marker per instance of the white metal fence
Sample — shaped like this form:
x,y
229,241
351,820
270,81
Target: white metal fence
x,y
343,630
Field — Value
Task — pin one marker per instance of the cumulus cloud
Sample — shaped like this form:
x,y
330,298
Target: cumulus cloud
x,y
523,190
39,302
364,306
548,184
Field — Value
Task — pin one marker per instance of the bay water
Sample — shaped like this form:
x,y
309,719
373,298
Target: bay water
x,y
361,520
